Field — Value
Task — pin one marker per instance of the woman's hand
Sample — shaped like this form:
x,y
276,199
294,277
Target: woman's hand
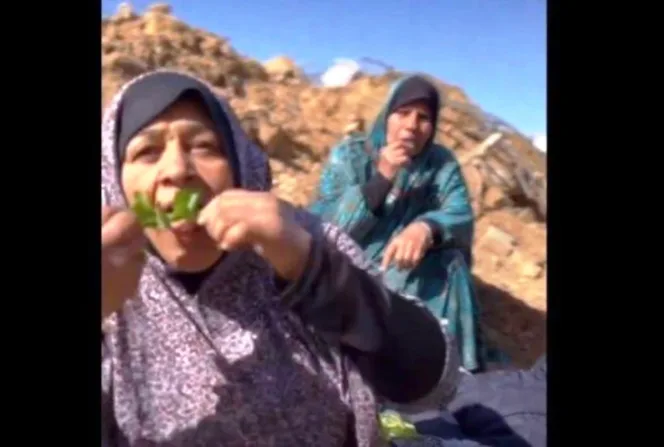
x,y
238,219
122,257
409,247
392,158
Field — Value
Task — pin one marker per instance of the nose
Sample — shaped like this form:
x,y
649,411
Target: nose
x,y
410,121
176,166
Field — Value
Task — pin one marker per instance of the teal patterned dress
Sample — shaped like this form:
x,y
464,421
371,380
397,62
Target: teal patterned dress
x,y
430,188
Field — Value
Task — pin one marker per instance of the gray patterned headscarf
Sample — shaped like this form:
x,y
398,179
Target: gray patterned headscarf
x,y
229,366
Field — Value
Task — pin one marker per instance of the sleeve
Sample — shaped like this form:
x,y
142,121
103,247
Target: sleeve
x,y
107,420
397,344
452,220
344,201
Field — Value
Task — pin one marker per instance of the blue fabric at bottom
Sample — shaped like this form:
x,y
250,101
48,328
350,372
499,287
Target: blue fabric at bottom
x,y
499,408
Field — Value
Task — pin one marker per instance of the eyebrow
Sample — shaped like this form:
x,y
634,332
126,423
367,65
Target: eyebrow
x,y
187,126
409,108
150,132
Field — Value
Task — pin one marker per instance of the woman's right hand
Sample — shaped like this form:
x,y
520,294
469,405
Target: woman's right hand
x,y
392,158
122,257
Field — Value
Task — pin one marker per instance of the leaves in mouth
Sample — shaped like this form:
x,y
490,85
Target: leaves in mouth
x,y
186,206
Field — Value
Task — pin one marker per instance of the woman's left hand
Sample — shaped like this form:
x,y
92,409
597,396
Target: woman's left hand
x,y
239,219
409,247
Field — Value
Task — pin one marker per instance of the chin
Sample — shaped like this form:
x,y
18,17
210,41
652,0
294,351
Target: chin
x,y
190,256
193,262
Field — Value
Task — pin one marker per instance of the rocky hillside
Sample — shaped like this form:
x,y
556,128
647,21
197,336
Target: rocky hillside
x,y
297,123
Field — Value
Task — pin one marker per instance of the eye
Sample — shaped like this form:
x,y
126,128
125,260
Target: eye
x,y
424,117
205,146
147,153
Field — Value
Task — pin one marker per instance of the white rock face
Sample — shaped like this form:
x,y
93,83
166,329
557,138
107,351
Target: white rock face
x,y
341,73
540,142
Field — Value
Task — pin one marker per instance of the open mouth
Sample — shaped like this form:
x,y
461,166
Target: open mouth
x,y
184,207
165,208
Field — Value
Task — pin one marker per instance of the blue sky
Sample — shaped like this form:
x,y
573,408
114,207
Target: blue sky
x,y
493,49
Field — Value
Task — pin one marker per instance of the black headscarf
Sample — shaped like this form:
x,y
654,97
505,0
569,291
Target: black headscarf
x,y
417,88
149,97
144,101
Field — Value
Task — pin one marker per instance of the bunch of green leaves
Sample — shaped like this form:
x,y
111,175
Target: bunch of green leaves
x,y
393,426
186,206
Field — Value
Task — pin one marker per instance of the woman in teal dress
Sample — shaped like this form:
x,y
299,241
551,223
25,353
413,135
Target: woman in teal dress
x,y
403,198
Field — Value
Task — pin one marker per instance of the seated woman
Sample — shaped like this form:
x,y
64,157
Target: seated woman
x,y
403,198
252,324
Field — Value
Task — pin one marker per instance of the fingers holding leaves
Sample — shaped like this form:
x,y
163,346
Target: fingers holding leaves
x,y
119,228
229,235
106,213
260,214
236,237
238,220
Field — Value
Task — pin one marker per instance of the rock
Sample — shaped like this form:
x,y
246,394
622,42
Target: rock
x,y
497,242
495,198
124,12
158,20
125,66
531,270
160,8
500,175
282,68
527,267
497,262
355,125
474,180
275,141
475,184
154,23
526,215
212,46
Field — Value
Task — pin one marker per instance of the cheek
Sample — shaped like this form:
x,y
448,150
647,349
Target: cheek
x,y
392,128
136,178
426,129
216,174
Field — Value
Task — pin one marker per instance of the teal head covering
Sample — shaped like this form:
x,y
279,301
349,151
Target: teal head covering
x,y
405,91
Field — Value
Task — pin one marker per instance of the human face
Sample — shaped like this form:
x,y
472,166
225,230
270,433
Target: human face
x,y
411,124
178,149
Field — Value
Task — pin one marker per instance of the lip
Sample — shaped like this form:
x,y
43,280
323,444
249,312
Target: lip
x,y
185,232
166,206
184,227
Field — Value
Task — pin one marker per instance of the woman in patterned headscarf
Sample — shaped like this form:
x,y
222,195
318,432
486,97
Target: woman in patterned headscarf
x,y
255,324
404,200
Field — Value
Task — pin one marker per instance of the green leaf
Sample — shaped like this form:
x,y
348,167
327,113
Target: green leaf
x,y
392,426
186,205
162,220
144,211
